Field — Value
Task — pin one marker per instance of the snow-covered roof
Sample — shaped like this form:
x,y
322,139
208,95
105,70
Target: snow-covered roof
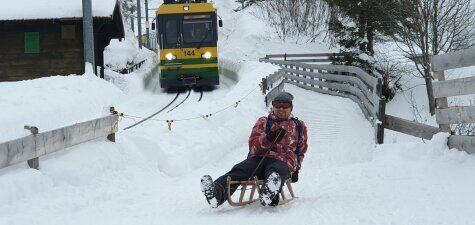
x,y
52,9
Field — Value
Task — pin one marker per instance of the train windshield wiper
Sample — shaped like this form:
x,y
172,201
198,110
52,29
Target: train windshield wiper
x,y
201,42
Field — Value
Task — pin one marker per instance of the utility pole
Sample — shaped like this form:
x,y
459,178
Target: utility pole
x,y
88,34
132,22
139,23
147,27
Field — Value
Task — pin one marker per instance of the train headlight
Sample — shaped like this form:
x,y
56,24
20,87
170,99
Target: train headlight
x,y
186,8
170,56
206,55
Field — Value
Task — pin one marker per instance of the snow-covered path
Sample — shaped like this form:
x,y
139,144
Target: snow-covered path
x,y
345,180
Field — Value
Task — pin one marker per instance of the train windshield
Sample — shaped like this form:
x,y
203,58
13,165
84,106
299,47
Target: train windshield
x,y
197,28
171,32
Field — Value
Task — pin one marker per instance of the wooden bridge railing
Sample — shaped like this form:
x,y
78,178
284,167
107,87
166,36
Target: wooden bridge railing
x,y
37,144
345,81
310,58
446,115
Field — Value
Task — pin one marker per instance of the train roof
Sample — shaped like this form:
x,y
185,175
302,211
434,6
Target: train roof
x,y
180,8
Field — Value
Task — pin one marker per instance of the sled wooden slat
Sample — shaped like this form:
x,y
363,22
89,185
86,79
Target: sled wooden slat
x,y
243,191
289,186
256,185
253,191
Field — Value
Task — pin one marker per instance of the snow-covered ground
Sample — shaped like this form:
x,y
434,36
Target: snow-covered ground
x,y
151,175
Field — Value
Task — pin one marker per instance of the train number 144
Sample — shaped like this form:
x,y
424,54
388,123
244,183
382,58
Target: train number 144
x,y
190,53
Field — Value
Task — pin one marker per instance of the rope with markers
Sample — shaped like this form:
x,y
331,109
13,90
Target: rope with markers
x,y
206,116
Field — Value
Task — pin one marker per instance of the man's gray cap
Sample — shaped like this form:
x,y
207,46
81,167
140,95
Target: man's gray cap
x,y
283,97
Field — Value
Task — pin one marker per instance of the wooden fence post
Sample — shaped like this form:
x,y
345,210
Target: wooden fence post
x,y
381,114
264,85
442,102
381,118
35,162
111,137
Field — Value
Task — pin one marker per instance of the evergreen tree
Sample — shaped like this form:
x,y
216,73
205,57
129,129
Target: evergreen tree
x,y
356,24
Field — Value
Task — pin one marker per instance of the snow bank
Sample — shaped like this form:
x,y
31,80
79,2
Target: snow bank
x,y
48,9
53,102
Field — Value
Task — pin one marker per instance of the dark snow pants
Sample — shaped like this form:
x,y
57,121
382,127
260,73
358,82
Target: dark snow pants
x,y
243,171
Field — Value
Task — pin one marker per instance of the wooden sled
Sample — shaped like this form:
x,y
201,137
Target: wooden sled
x,y
256,185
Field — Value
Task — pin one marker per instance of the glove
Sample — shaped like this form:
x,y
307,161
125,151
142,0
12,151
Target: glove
x,y
295,177
276,135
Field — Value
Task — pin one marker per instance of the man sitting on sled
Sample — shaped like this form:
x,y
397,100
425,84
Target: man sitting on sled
x,y
277,146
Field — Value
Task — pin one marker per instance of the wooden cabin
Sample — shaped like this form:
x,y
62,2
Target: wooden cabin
x,y
42,40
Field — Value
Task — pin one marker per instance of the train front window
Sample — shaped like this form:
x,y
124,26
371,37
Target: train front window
x,y
198,28
171,32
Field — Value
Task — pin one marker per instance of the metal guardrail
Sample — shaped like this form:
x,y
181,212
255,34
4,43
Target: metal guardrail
x,y
346,81
37,144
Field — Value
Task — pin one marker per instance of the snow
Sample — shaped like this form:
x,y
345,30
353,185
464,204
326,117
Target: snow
x,y
52,9
152,175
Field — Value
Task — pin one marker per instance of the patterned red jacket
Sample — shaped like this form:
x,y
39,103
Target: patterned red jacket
x,y
283,150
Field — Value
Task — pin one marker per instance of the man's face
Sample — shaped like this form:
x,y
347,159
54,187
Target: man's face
x,y
282,110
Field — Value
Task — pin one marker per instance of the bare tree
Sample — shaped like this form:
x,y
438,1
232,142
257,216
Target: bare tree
x,y
128,10
295,18
432,27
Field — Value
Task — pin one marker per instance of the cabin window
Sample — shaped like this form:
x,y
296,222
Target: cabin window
x,y
196,31
32,42
68,32
171,32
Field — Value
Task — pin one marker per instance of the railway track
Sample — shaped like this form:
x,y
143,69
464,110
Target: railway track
x,y
188,95
168,105
159,111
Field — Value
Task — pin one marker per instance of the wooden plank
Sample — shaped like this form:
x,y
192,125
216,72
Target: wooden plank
x,y
33,146
302,55
368,79
464,143
441,102
55,140
455,87
340,87
309,60
273,93
368,115
16,151
410,127
274,78
454,60
455,115
341,78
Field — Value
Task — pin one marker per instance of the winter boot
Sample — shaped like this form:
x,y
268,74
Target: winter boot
x,y
268,195
209,190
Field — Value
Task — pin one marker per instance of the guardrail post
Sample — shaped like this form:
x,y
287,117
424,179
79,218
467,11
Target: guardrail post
x,y
35,162
264,85
381,121
381,114
111,137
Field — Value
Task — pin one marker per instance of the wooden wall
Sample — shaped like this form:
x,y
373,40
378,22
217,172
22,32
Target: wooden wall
x,y
60,53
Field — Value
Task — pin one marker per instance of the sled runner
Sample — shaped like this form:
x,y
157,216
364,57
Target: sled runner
x,y
255,185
